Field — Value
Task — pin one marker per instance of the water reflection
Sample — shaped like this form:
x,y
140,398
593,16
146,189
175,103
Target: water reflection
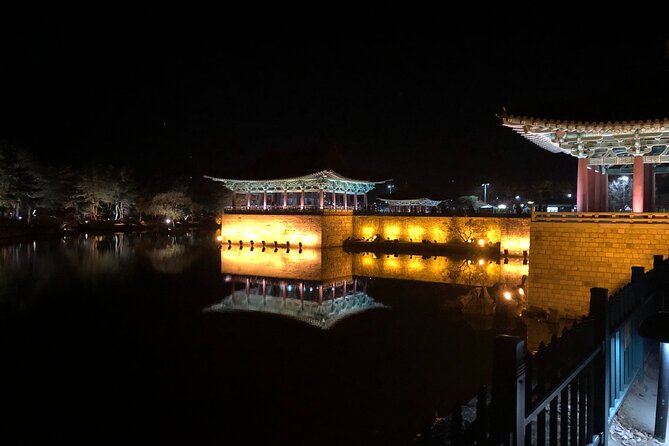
x,y
317,303
43,266
108,317
440,269
170,255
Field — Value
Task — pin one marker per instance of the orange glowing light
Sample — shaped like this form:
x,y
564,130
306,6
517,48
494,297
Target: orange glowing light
x,y
507,295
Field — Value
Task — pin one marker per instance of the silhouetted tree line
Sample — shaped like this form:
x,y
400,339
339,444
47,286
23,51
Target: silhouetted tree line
x,y
29,189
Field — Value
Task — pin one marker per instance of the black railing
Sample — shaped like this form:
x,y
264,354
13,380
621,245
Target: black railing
x,y
568,392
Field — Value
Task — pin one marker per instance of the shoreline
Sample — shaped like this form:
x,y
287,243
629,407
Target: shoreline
x,y
27,234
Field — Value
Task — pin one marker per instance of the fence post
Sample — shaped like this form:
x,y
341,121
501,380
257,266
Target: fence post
x,y
658,262
637,273
508,390
599,310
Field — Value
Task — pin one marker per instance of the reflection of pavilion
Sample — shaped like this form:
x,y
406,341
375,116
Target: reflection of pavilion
x,y
317,303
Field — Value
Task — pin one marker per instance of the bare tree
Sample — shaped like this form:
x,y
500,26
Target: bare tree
x,y
620,194
173,205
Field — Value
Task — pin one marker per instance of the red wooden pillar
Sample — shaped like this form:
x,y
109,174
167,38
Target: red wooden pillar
x,y
604,191
364,200
334,200
302,199
597,199
649,188
320,199
355,201
592,189
582,185
285,199
638,186
264,200
345,201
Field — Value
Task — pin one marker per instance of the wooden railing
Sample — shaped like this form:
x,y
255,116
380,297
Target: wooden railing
x,y
569,390
600,217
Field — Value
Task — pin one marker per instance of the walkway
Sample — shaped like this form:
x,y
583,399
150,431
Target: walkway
x,y
634,423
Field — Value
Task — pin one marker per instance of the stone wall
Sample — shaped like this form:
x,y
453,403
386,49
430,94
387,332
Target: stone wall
x,y
332,228
569,258
337,227
513,233
313,231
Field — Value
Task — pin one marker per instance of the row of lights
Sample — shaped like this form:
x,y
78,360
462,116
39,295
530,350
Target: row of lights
x,y
264,245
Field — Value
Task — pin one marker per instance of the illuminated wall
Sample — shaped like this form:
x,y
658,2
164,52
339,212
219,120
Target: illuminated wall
x,y
570,258
513,233
312,264
440,269
331,229
313,231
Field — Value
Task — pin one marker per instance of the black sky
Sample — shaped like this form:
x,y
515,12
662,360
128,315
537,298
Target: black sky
x,y
215,97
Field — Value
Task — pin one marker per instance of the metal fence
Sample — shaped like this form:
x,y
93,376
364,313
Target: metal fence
x,y
568,392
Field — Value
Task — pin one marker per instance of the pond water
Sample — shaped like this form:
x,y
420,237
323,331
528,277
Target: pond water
x,y
147,337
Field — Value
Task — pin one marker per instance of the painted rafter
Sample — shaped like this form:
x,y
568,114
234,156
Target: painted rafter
x,y
602,143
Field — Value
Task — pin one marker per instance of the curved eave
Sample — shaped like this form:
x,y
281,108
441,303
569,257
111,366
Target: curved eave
x,y
413,202
594,140
326,180
592,128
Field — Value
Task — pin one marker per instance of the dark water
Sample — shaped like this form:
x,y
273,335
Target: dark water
x,y
105,338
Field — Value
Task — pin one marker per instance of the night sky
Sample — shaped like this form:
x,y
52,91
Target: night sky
x,y
200,95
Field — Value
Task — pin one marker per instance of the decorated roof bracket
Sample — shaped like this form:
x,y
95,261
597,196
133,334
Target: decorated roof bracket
x,y
602,143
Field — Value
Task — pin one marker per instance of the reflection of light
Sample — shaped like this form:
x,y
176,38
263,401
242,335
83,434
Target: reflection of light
x,y
507,295
502,206
415,264
392,263
481,242
168,221
516,245
219,238
481,262
306,266
521,291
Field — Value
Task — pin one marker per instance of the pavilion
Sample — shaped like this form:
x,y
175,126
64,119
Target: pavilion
x,y
602,148
419,205
320,190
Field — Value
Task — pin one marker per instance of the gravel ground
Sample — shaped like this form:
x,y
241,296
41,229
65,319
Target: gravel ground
x,y
635,421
